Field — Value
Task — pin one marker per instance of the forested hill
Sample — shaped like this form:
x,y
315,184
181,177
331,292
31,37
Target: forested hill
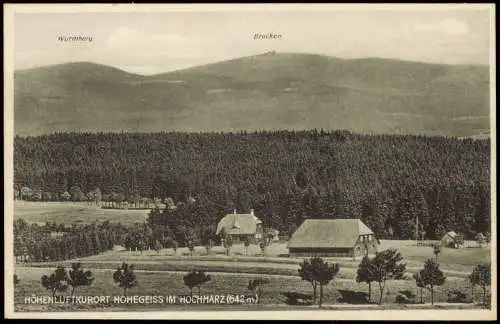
x,y
286,176
260,92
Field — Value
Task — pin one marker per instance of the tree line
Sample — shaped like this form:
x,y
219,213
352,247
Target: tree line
x,y
52,242
57,242
285,176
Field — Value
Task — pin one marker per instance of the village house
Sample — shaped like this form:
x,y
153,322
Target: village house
x,y
451,239
332,238
241,226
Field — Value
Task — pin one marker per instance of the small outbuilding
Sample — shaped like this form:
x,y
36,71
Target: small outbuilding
x,y
332,238
451,239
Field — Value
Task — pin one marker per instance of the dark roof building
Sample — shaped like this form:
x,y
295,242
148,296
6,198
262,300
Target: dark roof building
x,y
332,238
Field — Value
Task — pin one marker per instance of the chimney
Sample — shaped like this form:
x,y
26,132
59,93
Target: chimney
x,y
251,212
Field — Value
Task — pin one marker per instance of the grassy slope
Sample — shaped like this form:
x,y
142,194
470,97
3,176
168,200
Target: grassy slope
x,y
462,258
294,91
154,284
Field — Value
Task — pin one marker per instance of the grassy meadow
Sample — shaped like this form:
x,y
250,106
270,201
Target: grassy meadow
x,y
456,262
339,291
74,212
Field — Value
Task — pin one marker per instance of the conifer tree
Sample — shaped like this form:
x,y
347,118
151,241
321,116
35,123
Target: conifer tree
x,y
125,277
481,276
432,276
78,277
365,273
387,265
56,282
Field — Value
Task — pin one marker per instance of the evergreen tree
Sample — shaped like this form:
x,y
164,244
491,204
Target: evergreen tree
x,y
254,285
246,242
419,280
125,277
56,282
387,265
365,273
190,246
195,279
78,277
481,276
317,272
436,249
432,276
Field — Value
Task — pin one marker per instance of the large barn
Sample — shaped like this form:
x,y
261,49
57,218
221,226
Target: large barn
x,y
332,238
241,226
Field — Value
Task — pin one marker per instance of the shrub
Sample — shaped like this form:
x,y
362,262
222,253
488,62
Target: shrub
x,y
406,297
295,298
457,296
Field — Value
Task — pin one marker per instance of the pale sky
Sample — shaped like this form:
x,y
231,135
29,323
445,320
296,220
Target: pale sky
x,y
155,42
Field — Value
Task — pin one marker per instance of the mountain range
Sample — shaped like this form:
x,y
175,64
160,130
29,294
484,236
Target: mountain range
x,y
261,92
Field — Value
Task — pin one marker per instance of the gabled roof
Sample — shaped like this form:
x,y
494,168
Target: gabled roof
x,y
328,233
238,224
451,234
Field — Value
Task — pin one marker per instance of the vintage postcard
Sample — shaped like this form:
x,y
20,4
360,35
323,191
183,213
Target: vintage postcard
x,y
209,161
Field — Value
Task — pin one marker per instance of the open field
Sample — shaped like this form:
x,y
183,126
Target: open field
x,y
453,261
74,212
347,270
454,258
217,261
339,291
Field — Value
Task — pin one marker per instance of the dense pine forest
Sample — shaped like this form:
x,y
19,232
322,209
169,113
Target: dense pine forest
x,y
285,176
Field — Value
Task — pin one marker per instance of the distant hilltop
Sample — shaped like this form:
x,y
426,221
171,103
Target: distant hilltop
x,y
262,92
